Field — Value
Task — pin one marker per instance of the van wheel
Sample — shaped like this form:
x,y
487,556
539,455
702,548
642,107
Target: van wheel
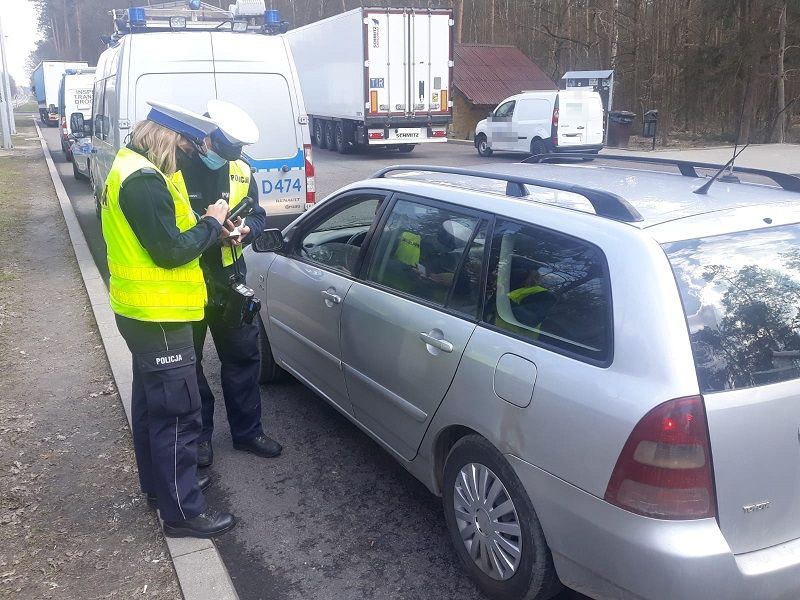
x,y
493,526
270,370
77,174
319,133
483,146
98,209
406,148
538,147
330,136
342,144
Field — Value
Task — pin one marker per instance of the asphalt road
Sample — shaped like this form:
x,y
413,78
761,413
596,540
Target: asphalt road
x,y
334,516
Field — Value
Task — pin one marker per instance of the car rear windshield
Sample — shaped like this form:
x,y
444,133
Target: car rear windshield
x,y
741,296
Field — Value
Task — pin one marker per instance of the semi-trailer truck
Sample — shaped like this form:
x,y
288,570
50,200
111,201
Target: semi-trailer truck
x,y
46,80
377,77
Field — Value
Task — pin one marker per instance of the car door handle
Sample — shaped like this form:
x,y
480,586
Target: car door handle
x,y
580,127
442,345
331,297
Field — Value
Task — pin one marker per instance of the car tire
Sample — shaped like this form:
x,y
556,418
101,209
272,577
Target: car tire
x,y
68,154
98,209
77,174
319,133
533,576
406,148
538,147
342,145
330,136
270,372
482,144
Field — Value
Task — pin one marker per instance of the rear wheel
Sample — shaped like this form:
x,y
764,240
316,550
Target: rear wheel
x,y
493,526
330,136
319,133
406,148
483,146
538,147
342,144
270,370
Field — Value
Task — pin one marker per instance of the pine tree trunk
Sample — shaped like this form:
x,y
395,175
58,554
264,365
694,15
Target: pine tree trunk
x,y
780,124
459,19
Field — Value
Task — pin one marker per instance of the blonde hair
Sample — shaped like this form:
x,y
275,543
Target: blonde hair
x,y
158,143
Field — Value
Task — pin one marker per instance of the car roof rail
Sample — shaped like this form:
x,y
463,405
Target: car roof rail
x,y
687,168
605,204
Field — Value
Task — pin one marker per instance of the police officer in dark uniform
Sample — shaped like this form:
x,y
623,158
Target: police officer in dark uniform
x,y
218,172
157,290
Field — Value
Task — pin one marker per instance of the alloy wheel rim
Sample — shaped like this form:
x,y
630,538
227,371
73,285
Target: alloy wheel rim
x,y
487,521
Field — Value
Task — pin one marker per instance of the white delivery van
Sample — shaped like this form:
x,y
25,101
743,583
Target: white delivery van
x,y
74,96
253,70
377,77
541,122
46,78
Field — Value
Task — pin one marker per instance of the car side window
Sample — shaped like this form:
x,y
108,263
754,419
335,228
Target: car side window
x,y
505,110
419,250
336,241
549,288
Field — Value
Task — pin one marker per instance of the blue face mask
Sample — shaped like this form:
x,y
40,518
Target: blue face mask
x,y
213,160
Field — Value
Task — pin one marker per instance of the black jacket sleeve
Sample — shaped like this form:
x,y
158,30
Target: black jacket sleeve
x,y
147,205
257,219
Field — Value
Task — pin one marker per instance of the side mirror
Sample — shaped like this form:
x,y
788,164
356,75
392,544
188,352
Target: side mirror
x,y
270,240
76,124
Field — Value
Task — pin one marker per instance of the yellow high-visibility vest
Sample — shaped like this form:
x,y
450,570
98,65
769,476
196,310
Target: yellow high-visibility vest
x,y
408,248
140,289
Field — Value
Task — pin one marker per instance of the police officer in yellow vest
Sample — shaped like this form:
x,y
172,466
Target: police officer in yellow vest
x,y
217,171
157,290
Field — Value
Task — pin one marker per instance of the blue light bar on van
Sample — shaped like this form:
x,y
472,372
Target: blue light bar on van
x,y
137,16
272,18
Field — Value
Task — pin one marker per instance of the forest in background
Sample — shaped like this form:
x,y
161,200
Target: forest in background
x,y
717,69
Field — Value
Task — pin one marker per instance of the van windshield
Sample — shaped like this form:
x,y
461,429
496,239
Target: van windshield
x,y
741,296
265,97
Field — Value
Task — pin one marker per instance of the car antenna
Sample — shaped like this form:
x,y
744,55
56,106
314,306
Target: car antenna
x,y
703,189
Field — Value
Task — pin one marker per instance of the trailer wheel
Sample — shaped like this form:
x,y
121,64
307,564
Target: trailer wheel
x,y
406,148
330,136
319,133
343,145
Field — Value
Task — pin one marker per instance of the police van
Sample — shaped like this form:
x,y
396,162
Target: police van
x,y
187,55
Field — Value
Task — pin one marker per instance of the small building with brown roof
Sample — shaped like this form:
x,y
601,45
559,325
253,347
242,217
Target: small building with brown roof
x,y
485,74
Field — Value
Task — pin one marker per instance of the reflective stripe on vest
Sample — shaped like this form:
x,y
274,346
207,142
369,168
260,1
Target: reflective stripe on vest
x,y
140,289
239,176
518,295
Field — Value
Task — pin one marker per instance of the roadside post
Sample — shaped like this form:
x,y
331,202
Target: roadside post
x,y
6,83
650,126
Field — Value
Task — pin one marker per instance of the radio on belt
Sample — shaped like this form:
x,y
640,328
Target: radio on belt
x,y
241,305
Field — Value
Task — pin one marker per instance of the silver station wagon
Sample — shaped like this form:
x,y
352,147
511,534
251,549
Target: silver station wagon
x,y
595,365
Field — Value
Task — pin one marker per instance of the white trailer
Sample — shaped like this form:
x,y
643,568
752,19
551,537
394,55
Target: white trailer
x,y
46,79
377,77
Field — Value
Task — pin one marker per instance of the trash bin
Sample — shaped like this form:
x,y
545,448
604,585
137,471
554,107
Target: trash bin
x,y
649,124
619,128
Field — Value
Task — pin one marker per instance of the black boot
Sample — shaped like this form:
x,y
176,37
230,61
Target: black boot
x,y
205,525
203,482
205,454
260,446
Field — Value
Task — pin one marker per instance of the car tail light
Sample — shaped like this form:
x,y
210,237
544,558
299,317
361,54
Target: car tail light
x,y
555,117
439,133
64,130
376,135
311,190
554,127
664,470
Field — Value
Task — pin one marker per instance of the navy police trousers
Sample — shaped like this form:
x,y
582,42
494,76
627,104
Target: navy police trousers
x,y
165,414
238,352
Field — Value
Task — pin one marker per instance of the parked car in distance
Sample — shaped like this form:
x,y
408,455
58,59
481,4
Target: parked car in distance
x,y
74,95
596,367
542,122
